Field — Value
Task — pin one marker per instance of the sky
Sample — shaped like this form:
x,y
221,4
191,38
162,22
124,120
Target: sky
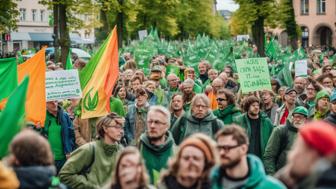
x,y
227,5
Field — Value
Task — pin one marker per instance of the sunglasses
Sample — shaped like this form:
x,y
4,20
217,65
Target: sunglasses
x,y
221,99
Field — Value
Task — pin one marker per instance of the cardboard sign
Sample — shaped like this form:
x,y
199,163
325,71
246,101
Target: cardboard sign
x,y
301,68
63,84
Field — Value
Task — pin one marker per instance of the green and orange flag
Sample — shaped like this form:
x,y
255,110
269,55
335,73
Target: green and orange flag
x,y
98,78
8,78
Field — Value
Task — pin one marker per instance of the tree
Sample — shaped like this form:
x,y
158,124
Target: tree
x,y
287,17
8,15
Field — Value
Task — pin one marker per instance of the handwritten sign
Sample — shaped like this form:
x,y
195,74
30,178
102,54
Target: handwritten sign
x,y
301,68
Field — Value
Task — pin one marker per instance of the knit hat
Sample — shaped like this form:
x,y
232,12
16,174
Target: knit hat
x,y
322,94
333,97
301,110
198,143
320,136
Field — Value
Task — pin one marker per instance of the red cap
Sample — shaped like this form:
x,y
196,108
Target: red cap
x,y
321,136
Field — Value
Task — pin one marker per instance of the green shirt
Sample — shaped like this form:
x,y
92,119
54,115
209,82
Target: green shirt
x,y
117,106
55,137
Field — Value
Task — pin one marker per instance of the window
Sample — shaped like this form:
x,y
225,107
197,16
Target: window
x,y
34,15
42,15
321,6
304,7
22,14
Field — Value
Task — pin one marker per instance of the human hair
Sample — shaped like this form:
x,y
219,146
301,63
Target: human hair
x,y
31,149
111,118
134,78
81,63
228,94
323,76
149,82
162,110
130,150
188,81
140,92
130,64
201,97
237,133
249,101
116,90
172,98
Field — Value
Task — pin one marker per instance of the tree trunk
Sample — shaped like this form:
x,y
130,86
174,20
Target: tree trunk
x,y
120,25
56,26
64,33
258,35
291,26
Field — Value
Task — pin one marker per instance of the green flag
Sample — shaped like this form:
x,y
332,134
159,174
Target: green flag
x,y
68,65
11,116
8,77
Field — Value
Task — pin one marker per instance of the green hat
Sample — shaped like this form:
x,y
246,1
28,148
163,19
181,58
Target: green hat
x,y
322,94
300,110
156,69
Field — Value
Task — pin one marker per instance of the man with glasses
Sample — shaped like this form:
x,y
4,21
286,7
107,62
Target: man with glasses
x,y
91,165
199,119
173,85
237,169
286,109
156,144
227,109
300,84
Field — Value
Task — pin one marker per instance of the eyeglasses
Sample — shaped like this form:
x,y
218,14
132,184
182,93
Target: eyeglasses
x,y
227,148
156,122
221,99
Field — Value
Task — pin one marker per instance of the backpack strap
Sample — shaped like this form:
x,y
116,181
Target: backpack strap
x,y
214,126
283,139
181,127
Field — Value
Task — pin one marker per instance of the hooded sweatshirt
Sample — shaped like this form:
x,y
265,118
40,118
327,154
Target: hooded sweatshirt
x,y
227,114
257,178
156,157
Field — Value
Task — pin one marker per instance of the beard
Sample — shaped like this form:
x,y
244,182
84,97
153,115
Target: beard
x,y
155,138
230,164
176,109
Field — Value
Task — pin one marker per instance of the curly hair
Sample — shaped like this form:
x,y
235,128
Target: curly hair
x,y
249,101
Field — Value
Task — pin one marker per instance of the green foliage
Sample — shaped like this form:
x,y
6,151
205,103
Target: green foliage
x,y
8,15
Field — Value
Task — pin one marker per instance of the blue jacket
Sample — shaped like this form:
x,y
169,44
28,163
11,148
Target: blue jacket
x,y
67,130
130,122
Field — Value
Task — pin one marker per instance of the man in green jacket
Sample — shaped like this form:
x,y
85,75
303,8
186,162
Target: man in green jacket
x,y
91,165
257,125
282,139
237,169
199,119
227,109
156,144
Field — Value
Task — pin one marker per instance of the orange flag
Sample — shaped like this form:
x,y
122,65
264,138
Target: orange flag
x,y
35,68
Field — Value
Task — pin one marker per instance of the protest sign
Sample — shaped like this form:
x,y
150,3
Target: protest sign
x,y
63,84
253,74
301,68
142,34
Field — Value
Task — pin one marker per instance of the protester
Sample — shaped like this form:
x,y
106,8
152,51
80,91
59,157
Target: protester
x,y
188,93
7,178
33,162
282,139
299,86
268,104
130,171
237,169
311,90
190,168
59,131
91,165
203,68
173,84
199,119
331,118
216,85
286,109
227,110
156,144
316,140
257,125
176,108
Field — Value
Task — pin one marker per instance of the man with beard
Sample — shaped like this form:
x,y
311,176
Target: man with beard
x,y
286,109
216,85
199,119
321,109
281,141
203,68
173,84
156,144
190,167
227,109
237,169
176,108
188,93
258,126
269,106
299,86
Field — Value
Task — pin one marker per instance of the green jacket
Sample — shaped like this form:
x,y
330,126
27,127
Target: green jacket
x,y
117,106
257,178
197,88
279,144
227,114
187,125
103,158
156,157
266,128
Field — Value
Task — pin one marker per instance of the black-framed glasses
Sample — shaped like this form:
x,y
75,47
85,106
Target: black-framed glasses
x,y
221,99
227,148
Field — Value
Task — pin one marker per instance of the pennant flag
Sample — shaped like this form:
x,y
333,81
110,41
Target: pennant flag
x,y
8,78
68,65
35,68
98,78
12,115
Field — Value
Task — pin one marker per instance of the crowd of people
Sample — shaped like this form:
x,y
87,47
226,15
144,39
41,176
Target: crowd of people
x,y
191,128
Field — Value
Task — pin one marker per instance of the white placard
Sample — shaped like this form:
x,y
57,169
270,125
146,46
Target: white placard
x,y
63,84
301,68
142,34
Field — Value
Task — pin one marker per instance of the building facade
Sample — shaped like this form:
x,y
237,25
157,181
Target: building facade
x,y
35,29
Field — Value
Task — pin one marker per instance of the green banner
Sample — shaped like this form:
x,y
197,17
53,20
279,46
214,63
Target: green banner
x,y
253,74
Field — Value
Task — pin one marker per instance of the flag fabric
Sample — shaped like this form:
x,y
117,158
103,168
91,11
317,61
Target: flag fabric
x,y
98,78
11,116
68,65
8,78
35,68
